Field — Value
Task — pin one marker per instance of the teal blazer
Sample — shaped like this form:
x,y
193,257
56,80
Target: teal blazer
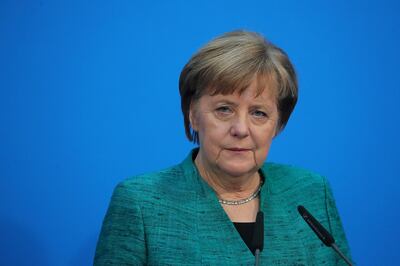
x,y
173,217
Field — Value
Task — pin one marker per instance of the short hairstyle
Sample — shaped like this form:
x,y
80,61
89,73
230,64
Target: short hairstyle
x,y
228,64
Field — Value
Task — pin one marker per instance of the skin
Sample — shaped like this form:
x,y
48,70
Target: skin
x,y
235,133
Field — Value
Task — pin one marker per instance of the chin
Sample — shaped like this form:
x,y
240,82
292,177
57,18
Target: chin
x,y
238,169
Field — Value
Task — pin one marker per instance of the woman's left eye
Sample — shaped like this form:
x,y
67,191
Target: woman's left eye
x,y
259,114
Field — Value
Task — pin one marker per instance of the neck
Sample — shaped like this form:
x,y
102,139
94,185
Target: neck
x,y
226,186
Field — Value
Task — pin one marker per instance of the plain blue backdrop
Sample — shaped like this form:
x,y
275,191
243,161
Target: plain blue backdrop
x,y
89,96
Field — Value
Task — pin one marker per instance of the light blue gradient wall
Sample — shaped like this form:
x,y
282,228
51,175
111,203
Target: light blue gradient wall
x,y
88,96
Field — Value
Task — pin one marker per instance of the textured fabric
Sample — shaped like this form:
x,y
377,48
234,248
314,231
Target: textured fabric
x,y
173,217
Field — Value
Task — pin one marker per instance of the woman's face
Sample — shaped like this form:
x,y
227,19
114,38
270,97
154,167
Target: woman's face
x,y
235,131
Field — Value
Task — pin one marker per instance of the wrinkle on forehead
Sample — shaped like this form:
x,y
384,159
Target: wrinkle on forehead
x,y
263,81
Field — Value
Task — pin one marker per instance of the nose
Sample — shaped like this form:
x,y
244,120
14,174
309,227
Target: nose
x,y
240,127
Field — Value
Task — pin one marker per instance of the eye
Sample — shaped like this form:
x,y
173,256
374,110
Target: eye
x,y
259,114
224,110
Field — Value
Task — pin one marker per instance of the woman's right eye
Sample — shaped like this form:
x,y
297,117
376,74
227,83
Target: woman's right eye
x,y
224,110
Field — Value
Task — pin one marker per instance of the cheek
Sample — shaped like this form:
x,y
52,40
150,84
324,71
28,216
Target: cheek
x,y
261,153
210,136
263,135
263,141
212,131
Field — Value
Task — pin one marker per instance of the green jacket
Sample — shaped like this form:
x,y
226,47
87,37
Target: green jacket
x,y
173,217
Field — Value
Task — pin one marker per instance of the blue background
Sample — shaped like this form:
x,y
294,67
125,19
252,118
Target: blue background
x,y
89,96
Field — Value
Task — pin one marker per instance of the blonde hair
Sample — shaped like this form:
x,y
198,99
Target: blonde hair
x,y
228,64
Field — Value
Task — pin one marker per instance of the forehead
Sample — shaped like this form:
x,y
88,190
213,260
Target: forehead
x,y
260,93
256,82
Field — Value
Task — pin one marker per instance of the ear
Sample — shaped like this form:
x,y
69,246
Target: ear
x,y
193,117
277,129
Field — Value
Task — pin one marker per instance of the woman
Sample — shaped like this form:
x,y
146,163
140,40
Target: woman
x,y
237,94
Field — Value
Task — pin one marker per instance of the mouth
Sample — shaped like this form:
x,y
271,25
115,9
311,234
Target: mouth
x,y
238,149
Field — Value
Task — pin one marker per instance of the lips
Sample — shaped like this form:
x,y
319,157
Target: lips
x,y
238,149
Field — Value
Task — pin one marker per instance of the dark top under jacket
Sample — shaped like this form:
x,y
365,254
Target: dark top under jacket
x,y
246,231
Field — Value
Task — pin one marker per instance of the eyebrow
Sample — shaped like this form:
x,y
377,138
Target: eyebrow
x,y
226,101
268,106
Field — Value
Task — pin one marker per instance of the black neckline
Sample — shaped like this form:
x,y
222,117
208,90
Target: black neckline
x,y
246,231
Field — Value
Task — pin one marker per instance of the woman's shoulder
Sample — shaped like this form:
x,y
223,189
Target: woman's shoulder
x,y
169,180
283,177
152,178
290,170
